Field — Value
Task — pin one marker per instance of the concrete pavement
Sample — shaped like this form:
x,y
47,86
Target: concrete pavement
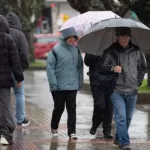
x,y
39,106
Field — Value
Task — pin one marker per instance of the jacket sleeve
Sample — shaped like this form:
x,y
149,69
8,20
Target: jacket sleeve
x,y
23,51
106,66
142,68
90,59
14,60
80,69
50,68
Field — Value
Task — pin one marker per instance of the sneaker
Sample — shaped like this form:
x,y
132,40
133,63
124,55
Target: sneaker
x,y
93,130
5,141
108,136
73,136
54,132
25,123
125,147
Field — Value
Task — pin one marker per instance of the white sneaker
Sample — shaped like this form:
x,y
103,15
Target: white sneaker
x,y
3,141
73,136
54,132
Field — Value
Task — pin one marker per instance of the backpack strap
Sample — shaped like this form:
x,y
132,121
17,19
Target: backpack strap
x,y
54,53
77,49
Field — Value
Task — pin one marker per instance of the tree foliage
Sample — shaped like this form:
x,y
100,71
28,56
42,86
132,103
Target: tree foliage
x,y
119,7
28,12
142,8
25,9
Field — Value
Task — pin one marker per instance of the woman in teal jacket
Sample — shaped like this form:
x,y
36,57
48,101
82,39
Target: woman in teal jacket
x,y
65,76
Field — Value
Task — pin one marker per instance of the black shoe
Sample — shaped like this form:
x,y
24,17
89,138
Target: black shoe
x,y
125,147
116,142
24,123
108,136
93,131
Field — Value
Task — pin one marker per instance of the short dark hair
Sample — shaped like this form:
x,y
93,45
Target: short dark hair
x,y
120,31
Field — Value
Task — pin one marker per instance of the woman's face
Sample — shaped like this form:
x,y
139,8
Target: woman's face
x,y
123,40
71,40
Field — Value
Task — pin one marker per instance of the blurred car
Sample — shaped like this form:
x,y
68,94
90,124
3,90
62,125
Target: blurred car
x,y
43,43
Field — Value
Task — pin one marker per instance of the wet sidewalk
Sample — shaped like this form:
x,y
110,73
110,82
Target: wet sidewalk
x,y
39,106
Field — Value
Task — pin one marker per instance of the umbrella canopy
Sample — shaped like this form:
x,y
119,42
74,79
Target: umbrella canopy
x,y
101,35
83,21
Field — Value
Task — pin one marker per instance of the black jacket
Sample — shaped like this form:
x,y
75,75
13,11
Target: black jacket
x,y
9,57
19,38
105,81
93,62
133,66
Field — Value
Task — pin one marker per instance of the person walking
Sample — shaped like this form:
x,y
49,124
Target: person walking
x,y
65,76
9,63
126,60
103,110
22,47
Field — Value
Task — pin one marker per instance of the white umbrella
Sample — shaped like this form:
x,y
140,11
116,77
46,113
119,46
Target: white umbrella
x,y
101,35
83,21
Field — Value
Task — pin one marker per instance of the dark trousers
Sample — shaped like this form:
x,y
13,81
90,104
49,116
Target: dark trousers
x,y
103,109
7,124
60,99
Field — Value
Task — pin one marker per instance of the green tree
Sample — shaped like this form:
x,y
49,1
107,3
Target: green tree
x,y
119,7
28,11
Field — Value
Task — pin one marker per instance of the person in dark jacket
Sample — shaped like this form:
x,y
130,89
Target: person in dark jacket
x,y
9,63
125,59
103,110
22,47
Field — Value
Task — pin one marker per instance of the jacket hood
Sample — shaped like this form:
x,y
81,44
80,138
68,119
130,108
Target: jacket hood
x,y
67,33
4,26
14,21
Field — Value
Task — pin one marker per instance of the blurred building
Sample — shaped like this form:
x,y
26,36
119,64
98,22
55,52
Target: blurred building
x,y
54,14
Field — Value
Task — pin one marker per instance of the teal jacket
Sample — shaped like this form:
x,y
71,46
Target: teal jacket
x,y
65,65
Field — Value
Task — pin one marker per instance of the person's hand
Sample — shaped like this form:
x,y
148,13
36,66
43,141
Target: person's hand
x,y
117,69
19,84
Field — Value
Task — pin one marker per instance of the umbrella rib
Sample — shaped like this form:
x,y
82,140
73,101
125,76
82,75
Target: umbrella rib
x,y
100,41
135,40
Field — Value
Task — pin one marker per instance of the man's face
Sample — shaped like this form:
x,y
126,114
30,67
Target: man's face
x,y
123,40
71,40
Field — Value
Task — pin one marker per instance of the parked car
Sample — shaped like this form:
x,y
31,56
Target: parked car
x,y
43,43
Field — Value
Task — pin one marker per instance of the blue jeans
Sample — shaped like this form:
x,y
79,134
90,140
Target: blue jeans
x,y
20,101
123,106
